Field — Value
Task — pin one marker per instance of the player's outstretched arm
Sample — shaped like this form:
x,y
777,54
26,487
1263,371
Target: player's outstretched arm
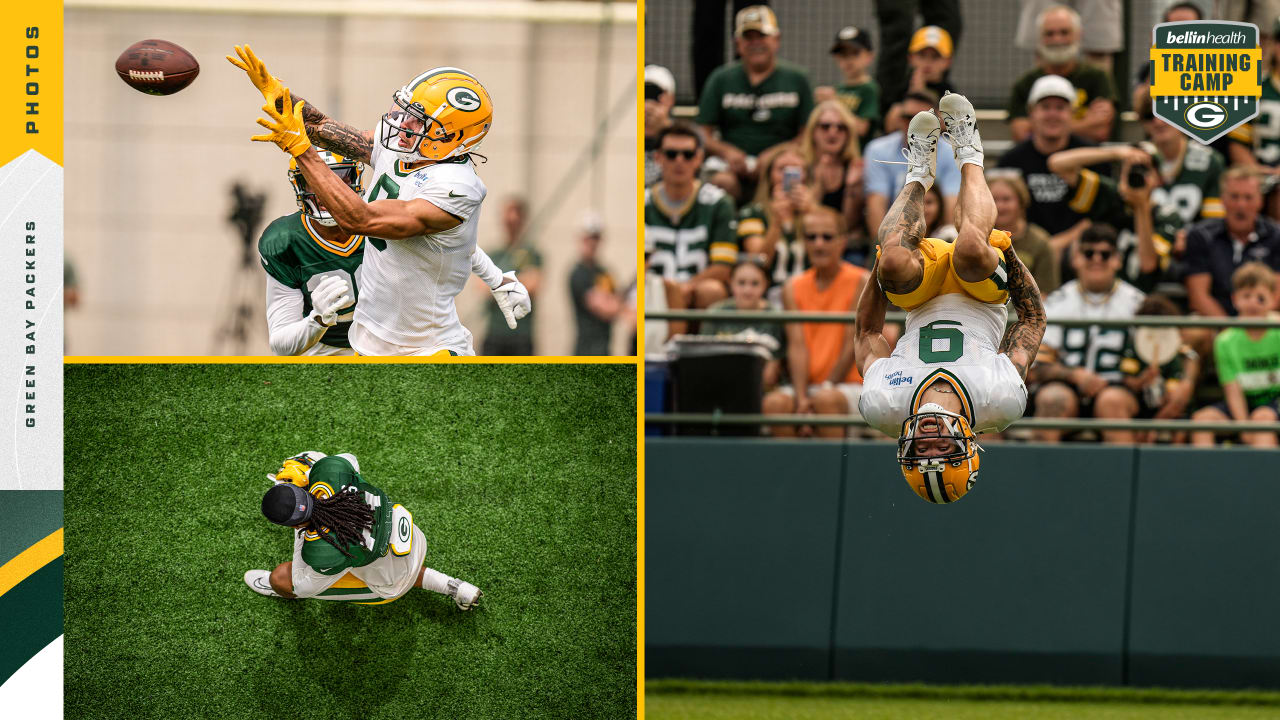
x,y
345,140
1022,339
324,131
869,343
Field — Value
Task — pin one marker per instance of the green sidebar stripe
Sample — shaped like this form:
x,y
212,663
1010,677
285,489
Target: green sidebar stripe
x,y
32,613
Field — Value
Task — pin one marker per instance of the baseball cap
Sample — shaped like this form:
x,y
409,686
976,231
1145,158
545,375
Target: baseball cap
x,y
287,504
1051,86
934,37
755,17
851,36
592,223
658,80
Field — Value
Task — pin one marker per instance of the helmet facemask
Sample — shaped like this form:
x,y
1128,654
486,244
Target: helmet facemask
x,y
408,125
938,453
349,171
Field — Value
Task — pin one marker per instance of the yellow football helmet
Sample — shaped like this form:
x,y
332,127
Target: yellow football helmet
x,y
349,171
297,469
938,452
442,113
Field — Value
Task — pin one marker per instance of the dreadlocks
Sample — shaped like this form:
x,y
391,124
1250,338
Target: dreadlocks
x,y
344,515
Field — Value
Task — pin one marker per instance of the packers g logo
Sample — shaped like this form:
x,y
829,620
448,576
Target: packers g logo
x,y
1206,76
463,98
1205,115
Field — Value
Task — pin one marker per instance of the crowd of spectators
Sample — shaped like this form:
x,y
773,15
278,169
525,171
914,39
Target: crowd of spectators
x,y
771,197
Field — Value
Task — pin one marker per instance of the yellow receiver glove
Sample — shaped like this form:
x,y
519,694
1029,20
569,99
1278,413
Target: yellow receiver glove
x,y
285,129
267,84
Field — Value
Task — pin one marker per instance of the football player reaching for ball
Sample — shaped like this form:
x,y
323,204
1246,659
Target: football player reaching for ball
x,y
352,543
951,375
420,208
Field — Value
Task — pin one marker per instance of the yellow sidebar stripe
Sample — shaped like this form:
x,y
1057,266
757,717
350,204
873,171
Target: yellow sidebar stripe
x,y
30,560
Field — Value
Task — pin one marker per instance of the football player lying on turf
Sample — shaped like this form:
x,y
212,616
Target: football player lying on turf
x,y
352,544
420,211
950,375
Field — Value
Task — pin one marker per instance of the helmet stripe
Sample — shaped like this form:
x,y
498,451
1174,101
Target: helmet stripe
x,y
434,72
933,484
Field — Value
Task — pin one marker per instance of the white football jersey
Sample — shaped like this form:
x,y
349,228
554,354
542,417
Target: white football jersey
x,y
1097,349
954,337
407,287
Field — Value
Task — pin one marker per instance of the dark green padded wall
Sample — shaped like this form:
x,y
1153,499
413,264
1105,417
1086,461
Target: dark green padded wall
x,y
740,557
1206,590
1071,564
1024,576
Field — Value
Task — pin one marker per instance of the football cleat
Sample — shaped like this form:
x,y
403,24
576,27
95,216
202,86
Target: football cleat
x,y
442,113
921,151
259,581
464,594
961,123
349,171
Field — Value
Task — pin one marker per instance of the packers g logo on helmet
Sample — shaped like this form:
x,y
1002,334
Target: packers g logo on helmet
x,y
443,113
349,171
940,463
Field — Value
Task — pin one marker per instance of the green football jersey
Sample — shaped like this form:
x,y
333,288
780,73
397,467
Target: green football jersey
x,y
684,240
1266,127
1193,193
1254,365
789,259
295,254
1098,198
755,117
330,476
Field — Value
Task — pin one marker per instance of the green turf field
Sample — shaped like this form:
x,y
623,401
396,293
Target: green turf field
x,y
522,477
695,700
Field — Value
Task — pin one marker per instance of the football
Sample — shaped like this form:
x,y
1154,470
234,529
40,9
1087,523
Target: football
x,y
156,67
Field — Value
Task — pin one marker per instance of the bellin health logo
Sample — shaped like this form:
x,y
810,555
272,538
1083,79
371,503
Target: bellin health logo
x,y
1206,76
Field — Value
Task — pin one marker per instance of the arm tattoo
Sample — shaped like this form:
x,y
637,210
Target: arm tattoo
x,y
330,134
1025,334
905,220
342,139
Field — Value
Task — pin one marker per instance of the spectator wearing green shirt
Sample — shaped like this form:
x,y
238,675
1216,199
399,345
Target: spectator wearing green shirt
x,y
595,298
1059,54
519,255
753,104
860,94
1248,361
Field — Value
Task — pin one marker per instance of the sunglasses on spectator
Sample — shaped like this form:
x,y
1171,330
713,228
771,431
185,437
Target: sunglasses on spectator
x,y
815,236
1102,254
673,154
832,126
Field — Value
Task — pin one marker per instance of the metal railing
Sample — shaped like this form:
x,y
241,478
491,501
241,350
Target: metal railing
x,y
789,316
725,419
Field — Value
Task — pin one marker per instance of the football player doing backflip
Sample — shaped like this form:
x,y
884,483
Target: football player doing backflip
x,y
351,543
955,371
420,210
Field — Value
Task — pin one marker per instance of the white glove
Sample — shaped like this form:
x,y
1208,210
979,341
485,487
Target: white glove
x,y
331,295
513,298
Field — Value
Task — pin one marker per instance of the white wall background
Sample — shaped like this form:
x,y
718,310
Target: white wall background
x,y
148,178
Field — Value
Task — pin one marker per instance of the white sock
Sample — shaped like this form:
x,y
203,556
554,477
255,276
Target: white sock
x,y
435,581
975,158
